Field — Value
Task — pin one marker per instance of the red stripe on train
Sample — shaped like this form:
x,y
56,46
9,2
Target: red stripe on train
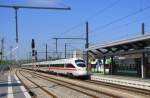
x,y
54,68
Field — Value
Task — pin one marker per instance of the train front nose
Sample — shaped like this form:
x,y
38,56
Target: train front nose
x,y
83,69
82,72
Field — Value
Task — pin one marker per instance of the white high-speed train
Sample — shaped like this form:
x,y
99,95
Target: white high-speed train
x,y
70,67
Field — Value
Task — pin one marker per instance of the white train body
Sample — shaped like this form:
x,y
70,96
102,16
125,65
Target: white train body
x,y
72,66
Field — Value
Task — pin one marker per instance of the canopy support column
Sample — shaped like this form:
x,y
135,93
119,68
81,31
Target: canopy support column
x,y
143,67
104,65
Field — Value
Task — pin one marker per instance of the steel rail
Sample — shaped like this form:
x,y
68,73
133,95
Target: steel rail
x,y
46,91
48,78
58,82
33,95
132,89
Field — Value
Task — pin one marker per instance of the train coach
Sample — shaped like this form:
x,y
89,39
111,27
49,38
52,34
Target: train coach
x,y
70,67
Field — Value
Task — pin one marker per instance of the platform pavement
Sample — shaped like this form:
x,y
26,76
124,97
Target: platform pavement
x,y
123,80
11,87
147,80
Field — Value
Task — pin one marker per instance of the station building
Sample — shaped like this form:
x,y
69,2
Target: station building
x,y
129,57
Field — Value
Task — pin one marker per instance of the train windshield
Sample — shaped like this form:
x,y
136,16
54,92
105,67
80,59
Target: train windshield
x,y
80,63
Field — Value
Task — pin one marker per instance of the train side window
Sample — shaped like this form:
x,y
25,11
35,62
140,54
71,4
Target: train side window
x,y
43,65
56,65
52,65
60,65
69,66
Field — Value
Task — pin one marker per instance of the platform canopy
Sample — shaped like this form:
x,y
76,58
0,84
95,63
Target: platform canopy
x,y
134,45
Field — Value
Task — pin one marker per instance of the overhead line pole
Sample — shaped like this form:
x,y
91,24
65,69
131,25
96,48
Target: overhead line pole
x,y
87,44
56,39
143,28
65,50
11,54
46,53
2,48
67,38
86,39
29,7
16,18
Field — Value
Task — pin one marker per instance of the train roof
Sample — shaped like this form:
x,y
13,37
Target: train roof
x,y
60,61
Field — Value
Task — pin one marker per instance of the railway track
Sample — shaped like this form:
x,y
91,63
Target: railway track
x,y
92,96
69,86
85,90
132,89
46,91
27,88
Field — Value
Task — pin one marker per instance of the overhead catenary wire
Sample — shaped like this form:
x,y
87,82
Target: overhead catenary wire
x,y
129,23
91,17
95,15
111,5
120,19
16,7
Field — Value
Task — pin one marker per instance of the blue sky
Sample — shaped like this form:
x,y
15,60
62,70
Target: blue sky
x,y
43,25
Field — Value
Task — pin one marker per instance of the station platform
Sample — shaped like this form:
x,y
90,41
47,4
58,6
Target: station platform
x,y
123,80
11,87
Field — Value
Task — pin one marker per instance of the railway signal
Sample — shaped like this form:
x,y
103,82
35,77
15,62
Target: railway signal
x,y
46,52
33,44
33,48
2,48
